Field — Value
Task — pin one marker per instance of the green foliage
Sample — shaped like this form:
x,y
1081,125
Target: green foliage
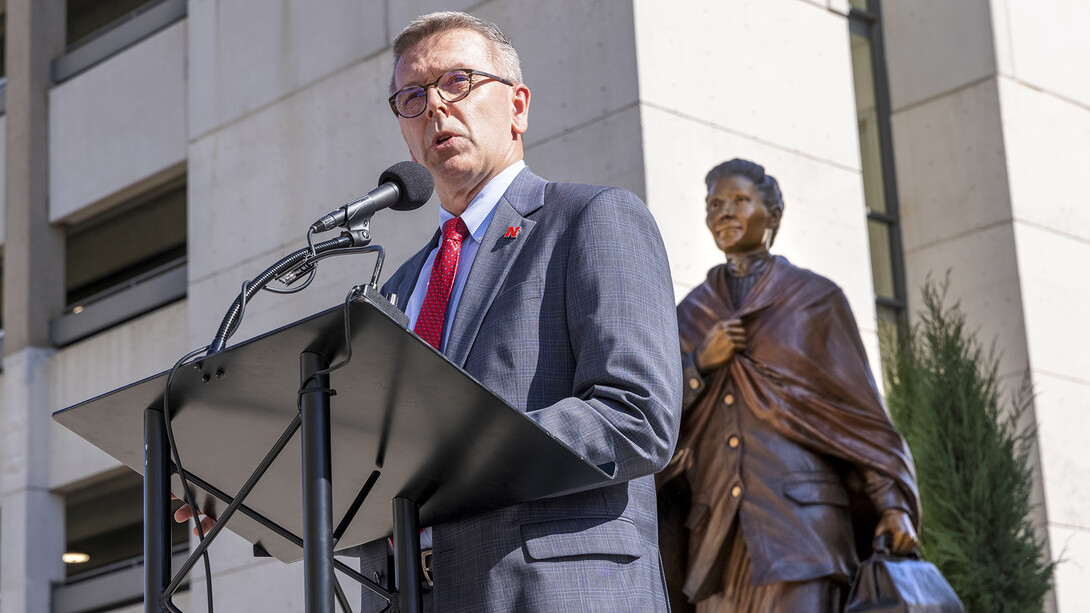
x,y
972,461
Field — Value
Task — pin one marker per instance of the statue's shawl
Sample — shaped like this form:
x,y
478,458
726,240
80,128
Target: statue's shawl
x,y
804,370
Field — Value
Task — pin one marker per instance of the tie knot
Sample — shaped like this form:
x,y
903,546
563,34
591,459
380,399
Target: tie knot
x,y
455,228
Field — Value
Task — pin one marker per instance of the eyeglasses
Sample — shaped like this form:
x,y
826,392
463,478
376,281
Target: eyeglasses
x,y
451,86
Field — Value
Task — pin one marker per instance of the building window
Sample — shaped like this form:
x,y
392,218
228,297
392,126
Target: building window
x,y
104,544
3,43
86,19
96,30
3,58
879,182
124,262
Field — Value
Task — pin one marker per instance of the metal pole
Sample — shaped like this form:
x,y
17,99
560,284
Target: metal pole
x,y
156,510
317,485
407,569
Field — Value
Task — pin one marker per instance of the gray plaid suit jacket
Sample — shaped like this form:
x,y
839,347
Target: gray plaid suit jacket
x,y
572,321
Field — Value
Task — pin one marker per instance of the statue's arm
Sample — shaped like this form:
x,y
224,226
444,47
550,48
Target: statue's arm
x,y
895,518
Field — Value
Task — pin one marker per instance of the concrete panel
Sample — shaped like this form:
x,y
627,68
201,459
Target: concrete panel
x,y
118,123
951,166
1048,152
824,226
935,46
130,352
1071,581
605,152
244,583
256,185
1045,47
1062,432
578,59
245,54
984,279
1055,296
32,543
779,72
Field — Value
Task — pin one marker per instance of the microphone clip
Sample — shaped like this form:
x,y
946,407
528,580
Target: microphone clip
x,y
358,228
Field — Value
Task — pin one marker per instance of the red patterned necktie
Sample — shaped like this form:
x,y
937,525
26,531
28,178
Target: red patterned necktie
x,y
429,324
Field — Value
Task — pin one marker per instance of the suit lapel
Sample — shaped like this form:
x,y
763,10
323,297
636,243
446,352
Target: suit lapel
x,y
494,260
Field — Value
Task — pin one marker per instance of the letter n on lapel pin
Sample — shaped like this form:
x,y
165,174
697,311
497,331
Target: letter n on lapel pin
x,y
512,232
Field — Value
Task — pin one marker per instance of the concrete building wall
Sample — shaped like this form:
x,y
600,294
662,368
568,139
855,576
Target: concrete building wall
x,y
793,112
990,132
118,127
278,116
1045,114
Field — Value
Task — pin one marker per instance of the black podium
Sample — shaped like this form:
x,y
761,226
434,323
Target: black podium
x,y
302,464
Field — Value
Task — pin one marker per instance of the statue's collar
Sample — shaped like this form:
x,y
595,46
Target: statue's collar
x,y
746,264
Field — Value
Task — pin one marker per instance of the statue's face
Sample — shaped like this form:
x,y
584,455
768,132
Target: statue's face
x,y
737,216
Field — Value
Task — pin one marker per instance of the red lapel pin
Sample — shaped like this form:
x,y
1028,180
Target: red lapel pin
x,y
512,232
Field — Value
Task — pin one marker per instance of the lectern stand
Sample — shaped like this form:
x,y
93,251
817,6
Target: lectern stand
x,y
300,463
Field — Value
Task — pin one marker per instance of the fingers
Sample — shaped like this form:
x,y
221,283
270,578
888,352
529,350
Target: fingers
x,y
904,543
206,524
183,514
896,526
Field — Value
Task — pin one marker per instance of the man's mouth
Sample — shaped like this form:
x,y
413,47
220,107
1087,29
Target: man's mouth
x,y
441,138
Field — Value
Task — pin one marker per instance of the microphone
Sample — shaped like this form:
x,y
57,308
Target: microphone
x,y
403,187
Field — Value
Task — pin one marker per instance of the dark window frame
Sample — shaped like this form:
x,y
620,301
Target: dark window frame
x,y
868,24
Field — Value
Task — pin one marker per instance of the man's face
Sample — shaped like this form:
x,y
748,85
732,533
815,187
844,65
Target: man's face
x,y
736,215
466,143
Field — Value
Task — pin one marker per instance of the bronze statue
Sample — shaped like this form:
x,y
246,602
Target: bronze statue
x,y
787,466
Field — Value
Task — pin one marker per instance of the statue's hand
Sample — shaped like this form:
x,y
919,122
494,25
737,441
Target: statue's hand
x,y
725,339
898,526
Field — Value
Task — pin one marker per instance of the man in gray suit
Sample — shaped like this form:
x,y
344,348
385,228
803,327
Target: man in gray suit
x,y
558,298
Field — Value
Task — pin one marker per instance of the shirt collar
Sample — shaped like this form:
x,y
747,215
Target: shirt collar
x,y
479,212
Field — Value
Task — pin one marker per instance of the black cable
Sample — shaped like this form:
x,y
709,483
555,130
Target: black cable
x,y
232,320
348,349
187,493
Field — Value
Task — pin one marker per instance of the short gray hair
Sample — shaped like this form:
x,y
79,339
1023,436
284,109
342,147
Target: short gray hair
x,y
503,52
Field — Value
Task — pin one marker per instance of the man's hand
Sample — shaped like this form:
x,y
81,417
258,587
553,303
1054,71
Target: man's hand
x,y
898,526
185,513
725,339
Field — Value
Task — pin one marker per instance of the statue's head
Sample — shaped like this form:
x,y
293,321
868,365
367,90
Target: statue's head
x,y
744,206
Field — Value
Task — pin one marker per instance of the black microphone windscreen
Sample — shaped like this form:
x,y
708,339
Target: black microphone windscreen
x,y
413,180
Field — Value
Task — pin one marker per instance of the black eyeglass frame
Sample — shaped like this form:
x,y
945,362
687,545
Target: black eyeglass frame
x,y
469,71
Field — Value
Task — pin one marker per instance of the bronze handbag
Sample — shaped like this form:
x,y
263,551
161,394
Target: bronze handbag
x,y
888,583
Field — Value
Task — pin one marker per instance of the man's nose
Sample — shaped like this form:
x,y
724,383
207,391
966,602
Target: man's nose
x,y
436,103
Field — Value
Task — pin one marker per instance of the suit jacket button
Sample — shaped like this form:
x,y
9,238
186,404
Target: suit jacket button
x,y
694,383
736,491
733,441
728,399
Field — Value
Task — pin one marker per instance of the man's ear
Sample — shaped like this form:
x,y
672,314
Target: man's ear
x,y
520,116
